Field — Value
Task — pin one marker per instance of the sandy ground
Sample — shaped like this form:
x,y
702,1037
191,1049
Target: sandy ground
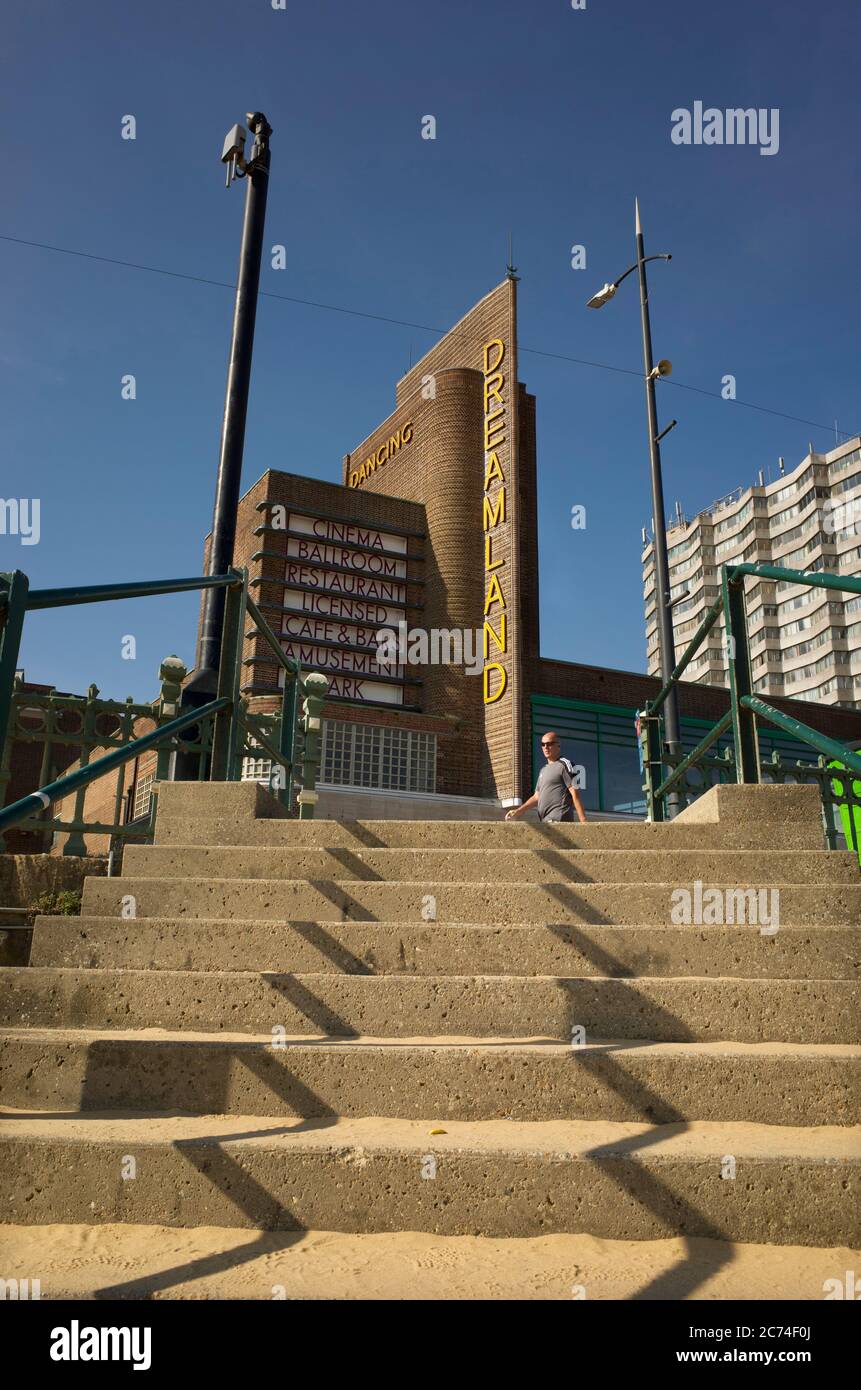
x,y
693,1139
121,1261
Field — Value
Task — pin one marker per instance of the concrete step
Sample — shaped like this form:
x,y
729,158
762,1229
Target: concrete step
x,y
211,1262
438,948
452,1079
760,867
489,1178
237,830
661,1010
328,900
244,813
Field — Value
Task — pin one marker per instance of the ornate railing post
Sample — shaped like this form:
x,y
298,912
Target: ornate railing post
x,y
315,688
46,771
740,683
14,588
6,752
171,673
287,737
75,844
649,733
127,721
225,728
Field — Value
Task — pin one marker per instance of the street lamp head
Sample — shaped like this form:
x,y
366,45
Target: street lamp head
x,y
258,124
601,297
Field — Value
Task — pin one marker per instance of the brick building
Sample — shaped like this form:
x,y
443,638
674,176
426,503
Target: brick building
x,y
30,762
433,529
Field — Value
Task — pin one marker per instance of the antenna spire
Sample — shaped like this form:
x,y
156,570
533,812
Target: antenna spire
x,y
511,268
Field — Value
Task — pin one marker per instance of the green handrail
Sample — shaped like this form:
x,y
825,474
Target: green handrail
x,y
269,637
693,757
745,707
696,642
225,710
820,579
821,742
103,593
82,776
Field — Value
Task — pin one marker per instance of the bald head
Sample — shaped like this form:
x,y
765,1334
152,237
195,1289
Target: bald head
x,y
550,746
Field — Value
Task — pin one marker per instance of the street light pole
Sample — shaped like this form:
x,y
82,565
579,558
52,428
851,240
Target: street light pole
x,y
256,173
662,565
672,736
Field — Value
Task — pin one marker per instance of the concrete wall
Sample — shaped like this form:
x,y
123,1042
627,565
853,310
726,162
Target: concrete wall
x,y
357,803
23,877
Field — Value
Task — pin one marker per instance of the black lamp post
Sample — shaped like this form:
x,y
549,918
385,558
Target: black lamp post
x,y
256,173
662,566
202,685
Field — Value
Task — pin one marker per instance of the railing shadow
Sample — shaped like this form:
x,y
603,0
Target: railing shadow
x,y
336,893
260,1208
359,830
348,859
334,951
299,997
602,1059
146,1286
640,1183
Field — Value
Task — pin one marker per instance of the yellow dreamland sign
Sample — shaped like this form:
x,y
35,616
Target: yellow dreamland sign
x,y
494,517
389,447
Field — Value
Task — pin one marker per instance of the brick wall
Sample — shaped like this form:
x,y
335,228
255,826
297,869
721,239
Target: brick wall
x,y
25,771
572,681
433,489
261,547
100,796
444,395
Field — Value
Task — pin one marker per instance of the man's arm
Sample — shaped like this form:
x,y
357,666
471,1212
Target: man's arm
x,y
570,778
518,810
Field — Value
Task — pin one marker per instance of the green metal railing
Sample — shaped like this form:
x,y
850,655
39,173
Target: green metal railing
x,y
226,731
663,773
70,728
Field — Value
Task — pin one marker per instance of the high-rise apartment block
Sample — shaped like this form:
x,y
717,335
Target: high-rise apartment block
x,y
805,643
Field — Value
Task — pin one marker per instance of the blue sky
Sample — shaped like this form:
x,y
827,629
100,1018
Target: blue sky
x,y
549,121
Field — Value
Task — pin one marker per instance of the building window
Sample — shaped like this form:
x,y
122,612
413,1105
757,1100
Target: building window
x,y
601,740
373,755
366,755
846,461
257,770
143,795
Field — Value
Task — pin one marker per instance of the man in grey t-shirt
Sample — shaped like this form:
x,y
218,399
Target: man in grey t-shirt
x,y
556,794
